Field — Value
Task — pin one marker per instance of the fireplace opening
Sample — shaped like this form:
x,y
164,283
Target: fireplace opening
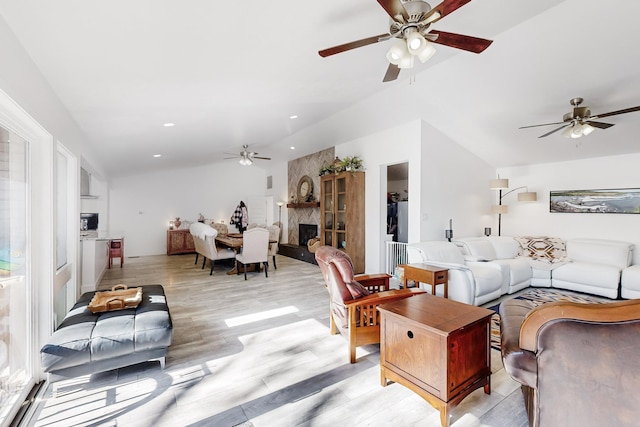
x,y
306,232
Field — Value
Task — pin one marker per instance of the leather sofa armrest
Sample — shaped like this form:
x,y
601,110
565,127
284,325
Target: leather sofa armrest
x,y
607,312
520,364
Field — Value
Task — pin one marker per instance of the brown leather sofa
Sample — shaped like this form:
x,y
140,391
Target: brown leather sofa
x,y
577,363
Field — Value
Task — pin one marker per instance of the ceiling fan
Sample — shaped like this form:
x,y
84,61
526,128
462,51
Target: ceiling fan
x,y
246,157
580,122
411,26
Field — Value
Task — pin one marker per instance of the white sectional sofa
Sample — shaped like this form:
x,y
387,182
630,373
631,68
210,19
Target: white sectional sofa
x,y
586,265
470,282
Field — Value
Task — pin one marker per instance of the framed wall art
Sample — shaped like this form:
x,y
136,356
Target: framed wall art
x,y
619,200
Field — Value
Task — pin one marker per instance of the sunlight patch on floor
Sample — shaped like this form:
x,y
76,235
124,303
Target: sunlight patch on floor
x,y
263,315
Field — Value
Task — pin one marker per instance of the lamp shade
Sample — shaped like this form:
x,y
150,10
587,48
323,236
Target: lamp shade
x,y
499,184
499,209
426,53
528,196
415,43
397,52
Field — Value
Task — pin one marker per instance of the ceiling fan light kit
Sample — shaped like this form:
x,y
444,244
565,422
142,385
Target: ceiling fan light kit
x,y
411,27
246,157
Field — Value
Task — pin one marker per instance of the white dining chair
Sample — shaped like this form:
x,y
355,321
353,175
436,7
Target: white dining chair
x,y
255,250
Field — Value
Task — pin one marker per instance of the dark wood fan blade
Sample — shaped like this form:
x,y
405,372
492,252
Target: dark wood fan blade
x,y
554,131
445,8
459,41
544,124
263,158
394,8
599,125
352,45
392,73
614,113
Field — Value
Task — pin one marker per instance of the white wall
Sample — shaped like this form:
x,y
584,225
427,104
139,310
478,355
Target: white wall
x,y
454,185
598,173
445,181
141,206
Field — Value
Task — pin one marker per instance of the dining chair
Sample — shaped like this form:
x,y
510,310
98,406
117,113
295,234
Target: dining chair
x,y
255,250
204,241
274,241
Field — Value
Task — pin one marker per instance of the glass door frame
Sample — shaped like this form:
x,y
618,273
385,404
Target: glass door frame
x,y
40,233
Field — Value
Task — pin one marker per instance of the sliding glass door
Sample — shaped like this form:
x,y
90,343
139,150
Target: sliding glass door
x,y
27,254
16,327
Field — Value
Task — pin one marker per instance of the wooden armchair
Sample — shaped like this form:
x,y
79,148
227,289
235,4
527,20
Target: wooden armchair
x,y
353,300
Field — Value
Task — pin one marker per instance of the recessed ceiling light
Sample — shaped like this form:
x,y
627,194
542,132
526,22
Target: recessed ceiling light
x,y
157,155
168,125
293,148
293,117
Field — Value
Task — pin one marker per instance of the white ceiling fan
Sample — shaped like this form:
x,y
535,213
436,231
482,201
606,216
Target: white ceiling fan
x,y
246,157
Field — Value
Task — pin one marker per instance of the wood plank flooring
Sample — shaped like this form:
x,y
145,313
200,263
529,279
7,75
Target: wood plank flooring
x,y
255,353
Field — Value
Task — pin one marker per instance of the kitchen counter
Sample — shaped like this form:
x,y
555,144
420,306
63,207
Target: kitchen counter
x,y
95,256
100,235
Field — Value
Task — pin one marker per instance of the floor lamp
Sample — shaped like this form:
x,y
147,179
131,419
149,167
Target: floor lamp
x,y
503,184
280,204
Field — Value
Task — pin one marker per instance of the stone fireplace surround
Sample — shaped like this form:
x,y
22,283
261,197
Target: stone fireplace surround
x,y
297,168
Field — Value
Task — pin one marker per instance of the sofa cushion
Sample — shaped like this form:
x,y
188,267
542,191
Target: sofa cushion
x,y
443,252
480,248
505,247
597,251
586,274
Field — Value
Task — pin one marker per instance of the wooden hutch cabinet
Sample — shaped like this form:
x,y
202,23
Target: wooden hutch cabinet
x,y
342,213
180,242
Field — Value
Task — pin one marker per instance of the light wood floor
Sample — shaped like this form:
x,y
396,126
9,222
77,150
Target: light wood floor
x,y
255,353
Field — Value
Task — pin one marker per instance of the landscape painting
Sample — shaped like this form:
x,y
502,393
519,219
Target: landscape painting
x,y
625,201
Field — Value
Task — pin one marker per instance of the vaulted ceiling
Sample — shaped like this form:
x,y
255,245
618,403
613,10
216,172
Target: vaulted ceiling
x,y
229,74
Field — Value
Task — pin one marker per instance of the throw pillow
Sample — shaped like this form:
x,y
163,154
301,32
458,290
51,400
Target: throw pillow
x,y
357,290
547,249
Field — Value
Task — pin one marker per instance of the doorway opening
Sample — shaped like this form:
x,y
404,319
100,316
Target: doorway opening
x,y
397,225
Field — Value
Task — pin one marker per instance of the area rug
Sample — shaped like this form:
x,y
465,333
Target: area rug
x,y
538,296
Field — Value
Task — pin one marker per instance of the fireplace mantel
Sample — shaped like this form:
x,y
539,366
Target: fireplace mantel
x,y
303,205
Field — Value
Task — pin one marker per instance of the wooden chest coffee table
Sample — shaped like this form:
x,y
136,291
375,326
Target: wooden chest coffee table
x,y
436,347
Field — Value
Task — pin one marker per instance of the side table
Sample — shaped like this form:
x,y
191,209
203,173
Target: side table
x,y
437,348
428,274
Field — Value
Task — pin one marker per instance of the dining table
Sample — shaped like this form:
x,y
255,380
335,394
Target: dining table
x,y
234,241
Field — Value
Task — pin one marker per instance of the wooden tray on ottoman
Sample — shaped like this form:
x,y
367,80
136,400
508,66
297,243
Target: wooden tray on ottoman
x,y
118,298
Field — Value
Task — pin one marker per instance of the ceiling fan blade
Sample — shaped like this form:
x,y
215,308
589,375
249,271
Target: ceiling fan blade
x,y
352,45
544,124
599,125
614,113
555,130
263,158
394,8
459,41
392,73
445,8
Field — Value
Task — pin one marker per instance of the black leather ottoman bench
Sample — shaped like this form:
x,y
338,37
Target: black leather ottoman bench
x,y
87,343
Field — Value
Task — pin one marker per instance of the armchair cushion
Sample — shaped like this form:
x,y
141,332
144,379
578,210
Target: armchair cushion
x,y
357,290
